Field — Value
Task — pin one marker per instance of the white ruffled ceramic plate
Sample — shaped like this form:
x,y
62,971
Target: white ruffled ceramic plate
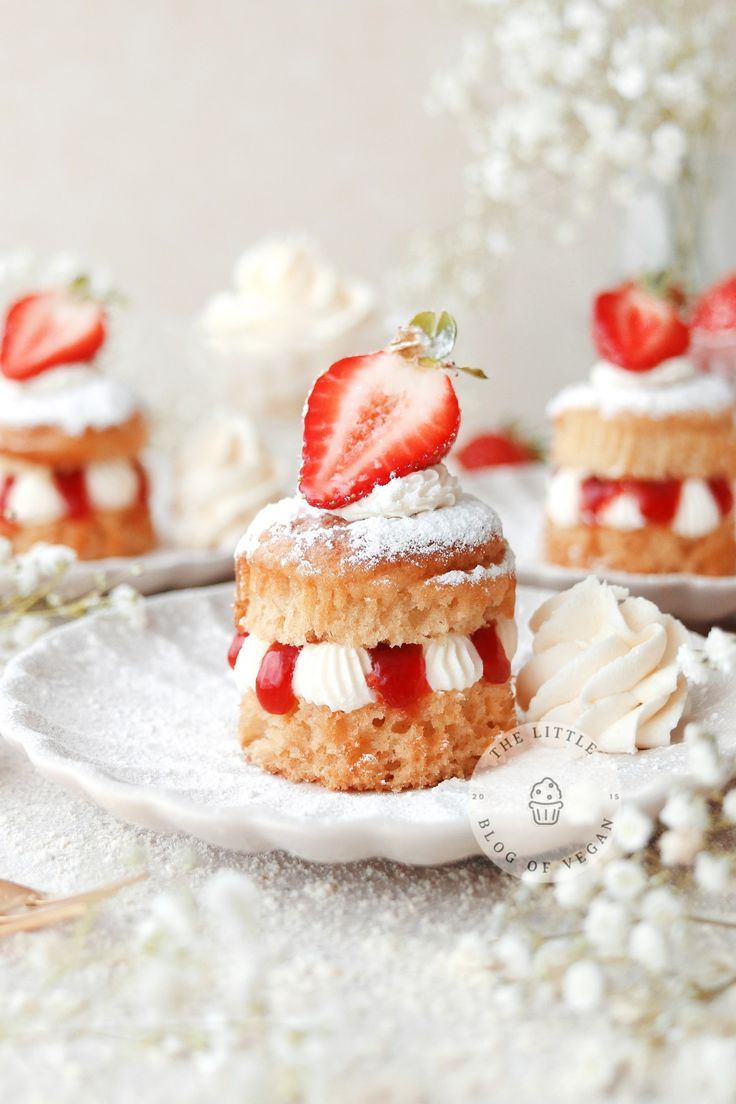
x,y
517,493
144,724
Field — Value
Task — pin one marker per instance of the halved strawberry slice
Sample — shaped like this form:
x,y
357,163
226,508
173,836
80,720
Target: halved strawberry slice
x,y
637,326
370,419
716,308
49,328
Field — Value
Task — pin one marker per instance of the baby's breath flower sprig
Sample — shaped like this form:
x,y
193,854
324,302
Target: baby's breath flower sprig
x,y
623,936
33,602
565,104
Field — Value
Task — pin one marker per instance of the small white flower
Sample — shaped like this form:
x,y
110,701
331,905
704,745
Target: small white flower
x,y
720,649
583,986
661,906
606,926
629,81
50,559
632,829
691,662
685,810
127,602
624,879
648,946
679,847
704,760
573,888
513,952
712,872
729,806
551,958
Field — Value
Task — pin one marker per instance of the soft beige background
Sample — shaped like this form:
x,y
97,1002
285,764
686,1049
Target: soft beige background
x,y
163,136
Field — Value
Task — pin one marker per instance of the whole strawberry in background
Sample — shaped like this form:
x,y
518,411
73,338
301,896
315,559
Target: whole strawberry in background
x,y
714,328
500,447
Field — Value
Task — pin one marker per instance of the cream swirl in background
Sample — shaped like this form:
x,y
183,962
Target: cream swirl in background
x,y
223,476
430,489
606,663
289,313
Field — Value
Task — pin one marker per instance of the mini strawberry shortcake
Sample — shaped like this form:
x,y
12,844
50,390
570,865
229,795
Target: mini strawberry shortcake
x,y
645,451
374,611
70,437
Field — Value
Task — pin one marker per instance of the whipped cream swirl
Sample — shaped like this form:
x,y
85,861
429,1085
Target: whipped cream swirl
x,y
673,387
286,296
430,489
71,397
223,476
607,664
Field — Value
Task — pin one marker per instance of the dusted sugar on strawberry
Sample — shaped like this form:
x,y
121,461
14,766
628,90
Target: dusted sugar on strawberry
x,y
644,451
70,437
376,606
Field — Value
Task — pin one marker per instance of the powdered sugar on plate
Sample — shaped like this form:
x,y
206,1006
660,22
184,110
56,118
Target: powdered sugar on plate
x,y
468,524
145,724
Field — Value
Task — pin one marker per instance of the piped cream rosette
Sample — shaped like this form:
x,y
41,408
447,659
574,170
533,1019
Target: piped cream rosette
x,y
607,664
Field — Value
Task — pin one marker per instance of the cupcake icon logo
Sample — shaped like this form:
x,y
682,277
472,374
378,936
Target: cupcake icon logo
x,y
546,801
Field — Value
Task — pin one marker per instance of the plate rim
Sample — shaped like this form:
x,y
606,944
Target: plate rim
x,y
373,835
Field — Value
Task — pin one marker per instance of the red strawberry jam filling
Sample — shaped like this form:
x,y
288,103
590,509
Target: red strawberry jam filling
x,y
398,673
496,665
658,499
234,650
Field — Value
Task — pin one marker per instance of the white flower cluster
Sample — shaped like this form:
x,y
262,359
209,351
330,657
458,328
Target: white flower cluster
x,y
31,601
188,981
564,100
624,927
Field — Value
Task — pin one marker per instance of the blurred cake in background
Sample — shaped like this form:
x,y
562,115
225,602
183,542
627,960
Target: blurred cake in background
x,y
644,451
223,475
70,435
714,329
289,311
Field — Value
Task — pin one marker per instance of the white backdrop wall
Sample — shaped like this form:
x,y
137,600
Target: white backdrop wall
x,y
163,137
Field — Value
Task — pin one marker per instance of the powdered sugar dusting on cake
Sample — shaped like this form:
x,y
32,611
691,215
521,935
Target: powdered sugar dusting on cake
x,y
479,574
468,524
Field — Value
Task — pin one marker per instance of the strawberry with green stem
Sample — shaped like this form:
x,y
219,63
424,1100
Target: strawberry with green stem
x,y
370,419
